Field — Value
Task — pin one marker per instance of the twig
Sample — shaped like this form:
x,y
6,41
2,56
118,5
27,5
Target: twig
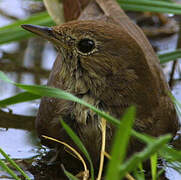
x,y
5,14
107,155
175,62
11,67
171,82
9,120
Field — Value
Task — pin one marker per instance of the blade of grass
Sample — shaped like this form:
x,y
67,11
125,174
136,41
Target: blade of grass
x,y
14,164
137,158
57,93
170,56
155,3
21,97
145,8
54,92
154,166
8,170
139,173
120,144
79,144
69,175
164,0
14,32
151,6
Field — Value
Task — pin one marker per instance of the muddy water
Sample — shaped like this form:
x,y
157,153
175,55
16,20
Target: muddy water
x,y
37,57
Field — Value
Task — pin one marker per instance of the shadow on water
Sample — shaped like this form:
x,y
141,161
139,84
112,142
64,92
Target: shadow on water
x,y
30,61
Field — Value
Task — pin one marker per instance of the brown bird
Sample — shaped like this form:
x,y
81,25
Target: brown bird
x,y
104,65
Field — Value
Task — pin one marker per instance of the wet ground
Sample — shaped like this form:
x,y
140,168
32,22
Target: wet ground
x,y
30,62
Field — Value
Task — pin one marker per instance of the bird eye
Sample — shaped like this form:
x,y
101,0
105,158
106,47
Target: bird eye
x,y
86,45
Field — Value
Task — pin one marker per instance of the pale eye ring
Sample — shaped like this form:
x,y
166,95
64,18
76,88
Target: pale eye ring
x,y
85,45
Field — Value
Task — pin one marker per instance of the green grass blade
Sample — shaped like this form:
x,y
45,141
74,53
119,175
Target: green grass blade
x,y
79,144
154,166
155,3
21,97
164,0
120,144
14,164
70,176
8,170
139,172
137,158
142,175
57,93
152,6
54,92
170,56
14,32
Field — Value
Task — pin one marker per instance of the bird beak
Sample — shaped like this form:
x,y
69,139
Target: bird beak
x,y
45,32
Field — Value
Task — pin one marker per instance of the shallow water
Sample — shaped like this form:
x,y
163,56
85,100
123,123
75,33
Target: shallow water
x,y
20,143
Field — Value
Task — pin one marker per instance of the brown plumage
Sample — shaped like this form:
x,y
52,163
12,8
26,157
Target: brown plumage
x,y
104,65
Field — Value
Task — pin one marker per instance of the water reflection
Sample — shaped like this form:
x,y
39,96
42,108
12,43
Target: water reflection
x,y
12,141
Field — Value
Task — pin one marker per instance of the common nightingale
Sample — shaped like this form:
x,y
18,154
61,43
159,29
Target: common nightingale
x,y
102,64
